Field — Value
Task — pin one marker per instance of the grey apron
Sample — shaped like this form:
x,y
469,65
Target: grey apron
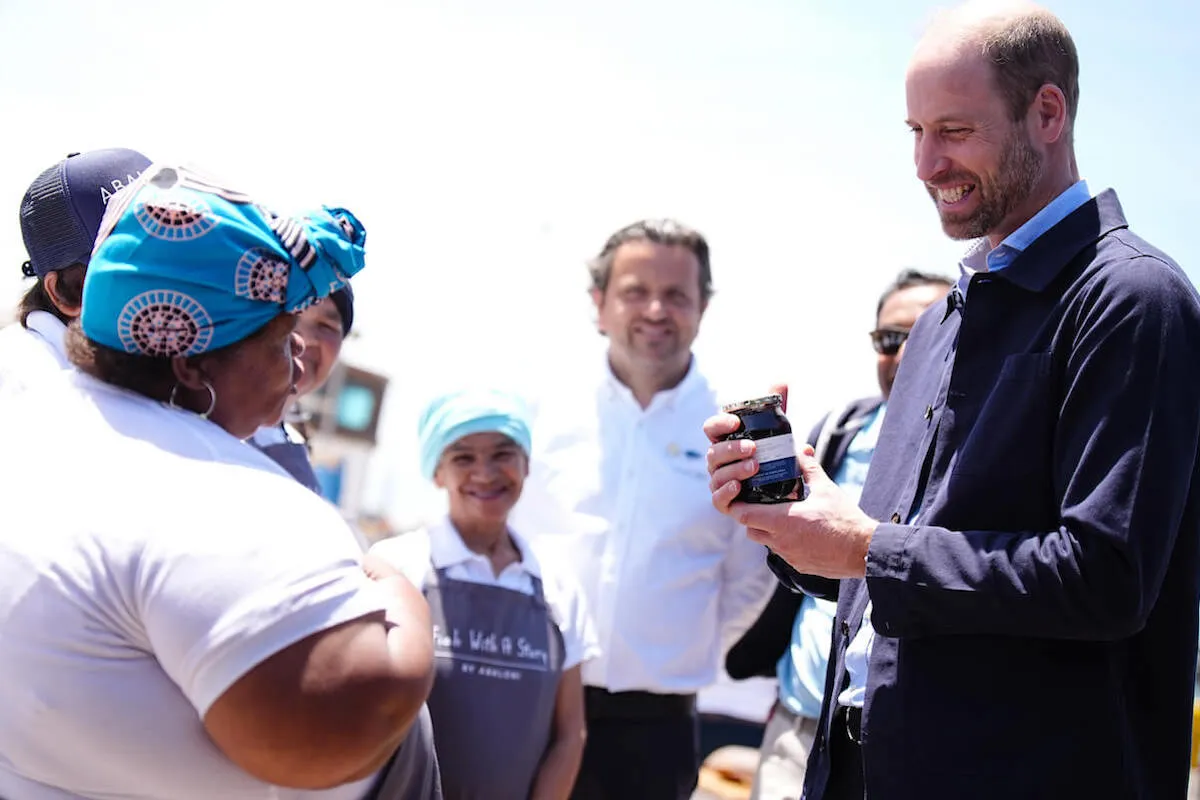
x,y
293,457
412,772
499,660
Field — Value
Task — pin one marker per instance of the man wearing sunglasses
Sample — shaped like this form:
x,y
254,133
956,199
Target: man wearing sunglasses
x,y
911,293
790,640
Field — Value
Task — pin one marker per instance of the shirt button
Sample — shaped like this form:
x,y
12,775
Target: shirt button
x,y
896,519
928,412
845,628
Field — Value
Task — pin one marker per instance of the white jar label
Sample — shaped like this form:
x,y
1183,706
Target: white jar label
x,y
776,456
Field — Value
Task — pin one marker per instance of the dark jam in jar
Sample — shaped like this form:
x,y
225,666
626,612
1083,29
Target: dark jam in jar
x,y
778,478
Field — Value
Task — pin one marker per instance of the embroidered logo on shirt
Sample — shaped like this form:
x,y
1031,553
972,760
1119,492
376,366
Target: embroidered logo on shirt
x,y
675,451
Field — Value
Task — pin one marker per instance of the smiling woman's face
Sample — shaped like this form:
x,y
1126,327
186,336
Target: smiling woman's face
x,y
320,326
483,474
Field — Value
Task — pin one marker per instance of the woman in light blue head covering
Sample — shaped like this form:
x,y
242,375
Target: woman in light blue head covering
x,y
510,628
199,621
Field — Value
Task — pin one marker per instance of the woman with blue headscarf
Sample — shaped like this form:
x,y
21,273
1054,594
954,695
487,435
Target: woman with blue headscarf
x,y
179,618
510,630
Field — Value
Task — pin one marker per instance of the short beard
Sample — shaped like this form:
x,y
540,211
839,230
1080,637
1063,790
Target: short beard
x,y
1019,170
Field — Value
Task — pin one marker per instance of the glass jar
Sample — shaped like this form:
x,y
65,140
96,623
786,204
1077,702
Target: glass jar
x,y
778,478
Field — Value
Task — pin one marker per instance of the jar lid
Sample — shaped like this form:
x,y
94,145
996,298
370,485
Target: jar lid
x,y
757,404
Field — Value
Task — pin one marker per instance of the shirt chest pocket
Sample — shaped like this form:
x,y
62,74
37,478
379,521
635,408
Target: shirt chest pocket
x,y
683,459
1011,439
686,500
690,466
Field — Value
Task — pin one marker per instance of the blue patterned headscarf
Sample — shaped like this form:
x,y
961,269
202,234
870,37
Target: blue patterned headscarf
x,y
183,266
453,416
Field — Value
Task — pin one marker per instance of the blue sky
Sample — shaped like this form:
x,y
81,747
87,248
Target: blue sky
x,y
491,147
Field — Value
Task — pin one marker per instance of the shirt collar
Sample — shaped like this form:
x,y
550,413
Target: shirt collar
x,y
51,330
283,433
666,397
268,435
446,549
981,257
1050,215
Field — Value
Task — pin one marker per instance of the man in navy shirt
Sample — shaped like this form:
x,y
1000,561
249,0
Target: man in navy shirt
x,y
1017,597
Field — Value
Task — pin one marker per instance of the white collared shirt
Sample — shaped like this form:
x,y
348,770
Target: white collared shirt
x,y
622,493
30,354
439,546
283,433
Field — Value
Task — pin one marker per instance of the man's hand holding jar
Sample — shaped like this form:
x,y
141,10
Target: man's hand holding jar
x,y
816,528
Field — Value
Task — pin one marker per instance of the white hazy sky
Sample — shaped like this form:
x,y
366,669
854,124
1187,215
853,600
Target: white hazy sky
x,y
490,147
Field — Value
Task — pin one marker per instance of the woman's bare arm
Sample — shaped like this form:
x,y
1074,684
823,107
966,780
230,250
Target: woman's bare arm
x,y
333,707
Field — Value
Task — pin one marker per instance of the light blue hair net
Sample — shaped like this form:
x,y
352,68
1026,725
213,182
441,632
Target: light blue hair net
x,y
462,413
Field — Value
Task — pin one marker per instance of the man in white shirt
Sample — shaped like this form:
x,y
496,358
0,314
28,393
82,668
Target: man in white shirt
x,y
60,216
619,481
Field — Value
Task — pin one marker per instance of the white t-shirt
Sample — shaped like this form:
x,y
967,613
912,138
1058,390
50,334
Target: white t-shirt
x,y
28,355
440,545
148,560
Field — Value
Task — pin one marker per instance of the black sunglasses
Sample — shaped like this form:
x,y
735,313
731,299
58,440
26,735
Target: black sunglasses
x,y
887,341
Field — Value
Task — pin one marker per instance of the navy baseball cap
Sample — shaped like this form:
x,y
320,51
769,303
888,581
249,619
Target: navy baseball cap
x,y
62,209
343,298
